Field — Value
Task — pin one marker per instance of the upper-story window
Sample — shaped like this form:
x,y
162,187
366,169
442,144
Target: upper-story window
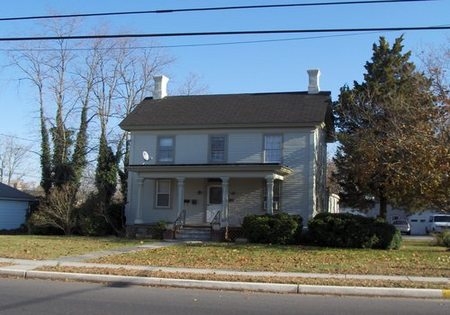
x,y
166,149
217,146
272,148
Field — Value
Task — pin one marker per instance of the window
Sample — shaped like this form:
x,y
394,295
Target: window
x,y
272,148
217,149
163,193
276,195
165,149
215,195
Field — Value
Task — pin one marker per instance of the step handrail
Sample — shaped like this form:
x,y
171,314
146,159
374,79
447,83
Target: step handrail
x,y
216,219
180,220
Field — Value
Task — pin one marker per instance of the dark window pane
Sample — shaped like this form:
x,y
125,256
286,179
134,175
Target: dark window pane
x,y
215,195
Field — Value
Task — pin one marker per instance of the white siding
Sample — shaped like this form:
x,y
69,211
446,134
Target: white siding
x,y
246,197
143,141
191,149
296,191
12,214
245,147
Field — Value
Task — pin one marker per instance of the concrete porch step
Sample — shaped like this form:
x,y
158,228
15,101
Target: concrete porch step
x,y
194,233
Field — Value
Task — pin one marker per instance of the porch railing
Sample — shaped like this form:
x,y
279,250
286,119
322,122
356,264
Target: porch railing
x,y
180,220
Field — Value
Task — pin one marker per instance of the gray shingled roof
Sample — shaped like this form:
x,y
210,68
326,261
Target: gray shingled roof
x,y
205,111
10,193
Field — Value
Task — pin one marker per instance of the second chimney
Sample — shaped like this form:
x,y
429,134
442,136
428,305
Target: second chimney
x,y
313,86
160,89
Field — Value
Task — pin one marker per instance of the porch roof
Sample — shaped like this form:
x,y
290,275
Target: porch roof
x,y
242,170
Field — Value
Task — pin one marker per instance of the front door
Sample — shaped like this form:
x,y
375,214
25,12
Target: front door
x,y
214,201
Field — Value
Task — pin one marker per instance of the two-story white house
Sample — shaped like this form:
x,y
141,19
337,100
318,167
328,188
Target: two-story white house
x,y
204,158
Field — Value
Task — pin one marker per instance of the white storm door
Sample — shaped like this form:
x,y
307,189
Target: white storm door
x,y
214,201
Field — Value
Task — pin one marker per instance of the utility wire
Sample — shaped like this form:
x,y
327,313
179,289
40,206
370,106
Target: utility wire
x,y
164,11
194,44
220,33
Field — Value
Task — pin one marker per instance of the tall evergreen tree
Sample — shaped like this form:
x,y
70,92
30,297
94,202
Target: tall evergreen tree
x,y
46,160
79,160
386,130
106,173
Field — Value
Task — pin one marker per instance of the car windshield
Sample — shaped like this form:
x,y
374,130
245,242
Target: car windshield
x,y
442,218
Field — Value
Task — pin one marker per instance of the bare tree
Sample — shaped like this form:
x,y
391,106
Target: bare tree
x,y
57,210
192,85
13,157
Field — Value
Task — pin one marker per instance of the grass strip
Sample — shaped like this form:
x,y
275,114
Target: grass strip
x,y
50,247
244,278
413,259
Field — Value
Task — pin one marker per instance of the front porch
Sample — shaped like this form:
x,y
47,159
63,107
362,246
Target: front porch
x,y
212,196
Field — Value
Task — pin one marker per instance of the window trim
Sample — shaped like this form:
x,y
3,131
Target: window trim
x,y
157,193
159,150
225,149
265,149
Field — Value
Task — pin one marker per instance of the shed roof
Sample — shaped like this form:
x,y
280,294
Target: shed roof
x,y
10,193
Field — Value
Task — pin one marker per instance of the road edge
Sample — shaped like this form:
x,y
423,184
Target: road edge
x,y
232,286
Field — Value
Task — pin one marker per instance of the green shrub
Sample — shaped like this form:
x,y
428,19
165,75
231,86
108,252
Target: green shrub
x,y
158,230
443,239
280,228
94,222
352,231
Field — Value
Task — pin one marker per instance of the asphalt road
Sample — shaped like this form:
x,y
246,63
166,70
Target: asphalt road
x,y
36,297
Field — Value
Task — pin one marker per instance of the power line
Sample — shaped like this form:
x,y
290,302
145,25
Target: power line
x,y
193,44
221,33
16,137
165,11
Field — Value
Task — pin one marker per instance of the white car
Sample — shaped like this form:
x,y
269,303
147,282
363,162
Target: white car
x,y
438,223
403,226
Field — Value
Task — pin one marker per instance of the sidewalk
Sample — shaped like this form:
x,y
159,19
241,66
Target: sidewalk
x,y
26,269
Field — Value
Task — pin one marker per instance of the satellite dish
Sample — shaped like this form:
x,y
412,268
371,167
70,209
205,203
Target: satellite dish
x,y
145,156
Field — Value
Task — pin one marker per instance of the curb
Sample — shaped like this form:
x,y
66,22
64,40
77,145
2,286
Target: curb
x,y
232,286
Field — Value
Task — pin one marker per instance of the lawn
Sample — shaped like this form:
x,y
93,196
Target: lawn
x,y
51,247
414,258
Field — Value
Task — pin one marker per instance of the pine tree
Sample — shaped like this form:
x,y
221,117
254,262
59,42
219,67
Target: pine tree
x,y
106,173
46,161
386,133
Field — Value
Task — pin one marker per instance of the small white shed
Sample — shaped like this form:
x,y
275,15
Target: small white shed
x,y
14,206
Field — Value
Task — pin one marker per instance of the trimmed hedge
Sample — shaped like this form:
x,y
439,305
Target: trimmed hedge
x,y
352,231
280,228
443,238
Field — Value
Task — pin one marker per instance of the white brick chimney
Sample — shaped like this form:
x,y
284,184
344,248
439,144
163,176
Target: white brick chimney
x,y
313,86
160,89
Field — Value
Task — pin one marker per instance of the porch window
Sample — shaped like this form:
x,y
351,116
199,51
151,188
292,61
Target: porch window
x,y
272,148
217,149
165,149
163,193
276,195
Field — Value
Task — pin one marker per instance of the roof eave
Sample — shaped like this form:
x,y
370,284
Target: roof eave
x,y
310,125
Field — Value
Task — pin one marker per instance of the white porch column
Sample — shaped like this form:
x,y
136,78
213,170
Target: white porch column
x,y
225,194
138,217
269,200
180,185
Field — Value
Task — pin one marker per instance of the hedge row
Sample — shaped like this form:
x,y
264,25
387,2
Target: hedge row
x,y
326,229
280,228
352,231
